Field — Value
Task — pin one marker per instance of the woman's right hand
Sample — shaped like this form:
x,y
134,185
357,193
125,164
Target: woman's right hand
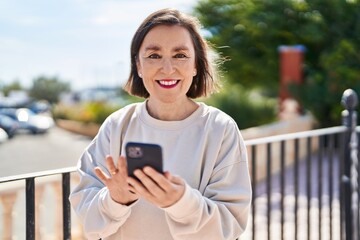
x,y
120,191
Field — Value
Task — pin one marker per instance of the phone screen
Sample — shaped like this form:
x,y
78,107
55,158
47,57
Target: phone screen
x,y
139,155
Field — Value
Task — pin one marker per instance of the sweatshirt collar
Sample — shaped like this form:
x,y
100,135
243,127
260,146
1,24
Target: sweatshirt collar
x,y
169,125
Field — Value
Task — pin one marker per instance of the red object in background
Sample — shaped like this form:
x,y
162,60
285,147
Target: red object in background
x,y
291,68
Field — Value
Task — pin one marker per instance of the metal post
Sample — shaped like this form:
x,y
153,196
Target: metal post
x,y
66,206
30,208
350,174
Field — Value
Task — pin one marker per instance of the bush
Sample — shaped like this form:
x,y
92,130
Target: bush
x,y
94,112
247,108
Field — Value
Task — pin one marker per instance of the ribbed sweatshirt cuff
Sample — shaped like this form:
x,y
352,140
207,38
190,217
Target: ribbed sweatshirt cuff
x,y
113,209
187,205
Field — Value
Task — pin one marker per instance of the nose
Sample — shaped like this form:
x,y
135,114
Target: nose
x,y
167,66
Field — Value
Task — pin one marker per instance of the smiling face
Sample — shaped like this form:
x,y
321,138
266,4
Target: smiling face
x,y
166,63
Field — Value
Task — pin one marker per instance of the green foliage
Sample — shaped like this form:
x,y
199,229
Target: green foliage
x,y
6,89
323,90
100,111
249,32
92,112
48,88
247,108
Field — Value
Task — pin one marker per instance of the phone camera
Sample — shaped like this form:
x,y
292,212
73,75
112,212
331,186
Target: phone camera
x,y
135,152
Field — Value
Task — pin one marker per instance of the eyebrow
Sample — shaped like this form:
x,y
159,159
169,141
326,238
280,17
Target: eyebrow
x,y
152,48
157,48
181,48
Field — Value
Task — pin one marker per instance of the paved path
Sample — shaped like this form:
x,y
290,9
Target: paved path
x,y
27,153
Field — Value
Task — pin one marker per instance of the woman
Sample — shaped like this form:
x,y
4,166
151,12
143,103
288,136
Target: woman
x,y
205,192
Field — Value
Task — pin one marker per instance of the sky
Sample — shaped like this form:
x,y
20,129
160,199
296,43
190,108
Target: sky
x,y
83,42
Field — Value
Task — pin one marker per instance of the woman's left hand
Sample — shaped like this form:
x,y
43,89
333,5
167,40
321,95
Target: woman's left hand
x,y
163,190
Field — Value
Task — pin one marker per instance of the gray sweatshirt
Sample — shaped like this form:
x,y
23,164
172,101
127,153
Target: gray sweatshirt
x,y
206,150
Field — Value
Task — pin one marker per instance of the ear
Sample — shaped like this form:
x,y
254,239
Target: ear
x,y
138,68
195,72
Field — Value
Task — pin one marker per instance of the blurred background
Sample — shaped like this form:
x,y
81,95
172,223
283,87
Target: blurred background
x,y
63,65
77,53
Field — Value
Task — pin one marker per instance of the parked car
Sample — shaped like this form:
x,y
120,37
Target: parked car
x,y
9,125
35,123
40,107
3,136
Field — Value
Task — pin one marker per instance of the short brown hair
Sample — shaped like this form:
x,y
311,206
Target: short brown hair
x,y
204,83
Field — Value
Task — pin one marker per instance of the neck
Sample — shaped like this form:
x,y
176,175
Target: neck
x,y
175,111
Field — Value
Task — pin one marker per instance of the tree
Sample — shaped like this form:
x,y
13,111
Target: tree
x,y
48,88
249,32
14,86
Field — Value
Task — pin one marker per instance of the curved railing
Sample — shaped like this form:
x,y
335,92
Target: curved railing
x,y
270,159
305,186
